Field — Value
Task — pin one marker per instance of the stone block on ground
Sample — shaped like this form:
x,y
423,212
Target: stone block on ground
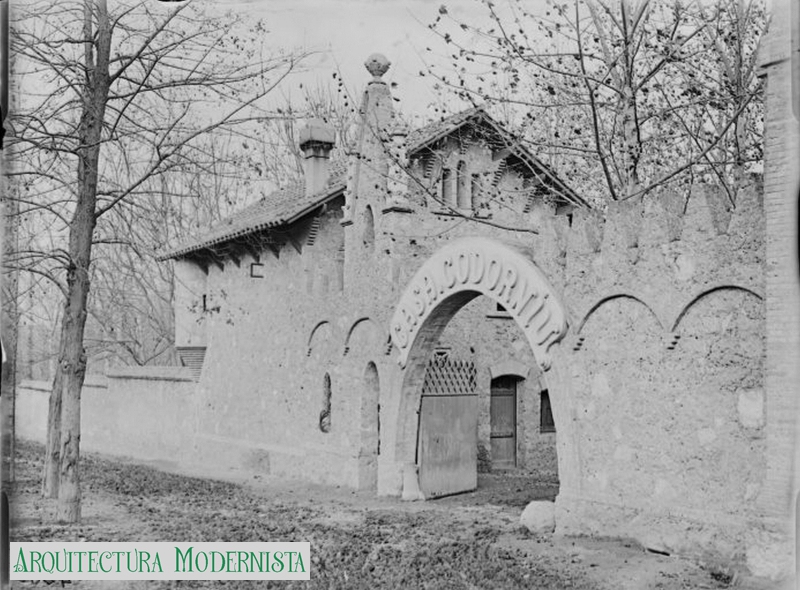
x,y
539,517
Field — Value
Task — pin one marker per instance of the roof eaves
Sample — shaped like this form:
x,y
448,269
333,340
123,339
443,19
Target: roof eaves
x,y
334,192
458,120
565,191
331,193
516,148
519,150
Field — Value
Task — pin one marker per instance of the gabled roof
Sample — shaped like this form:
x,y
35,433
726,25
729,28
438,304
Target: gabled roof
x,y
289,204
427,136
278,208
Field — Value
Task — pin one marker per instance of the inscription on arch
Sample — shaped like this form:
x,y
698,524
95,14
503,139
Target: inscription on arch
x,y
491,268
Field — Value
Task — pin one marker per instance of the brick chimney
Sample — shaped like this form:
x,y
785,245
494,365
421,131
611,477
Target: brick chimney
x,y
316,143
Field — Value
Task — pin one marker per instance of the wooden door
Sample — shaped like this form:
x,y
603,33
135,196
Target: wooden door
x,y
447,446
503,417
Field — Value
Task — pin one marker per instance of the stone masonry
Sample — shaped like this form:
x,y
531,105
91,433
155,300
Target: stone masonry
x,y
669,426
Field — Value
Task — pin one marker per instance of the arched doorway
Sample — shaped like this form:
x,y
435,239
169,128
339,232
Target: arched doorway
x,y
369,448
455,275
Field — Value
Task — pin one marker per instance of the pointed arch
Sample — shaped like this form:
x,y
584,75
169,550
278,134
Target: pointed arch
x,y
447,187
475,190
320,332
327,395
608,298
467,268
462,185
368,227
708,292
362,323
455,275
370,432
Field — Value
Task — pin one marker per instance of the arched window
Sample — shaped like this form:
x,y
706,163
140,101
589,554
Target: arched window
x,y
475,191
340,253
325,414
447,187
368,236
546,422
463,200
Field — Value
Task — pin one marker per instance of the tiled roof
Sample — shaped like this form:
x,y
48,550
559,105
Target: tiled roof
x,y
424,136
280,207
289,204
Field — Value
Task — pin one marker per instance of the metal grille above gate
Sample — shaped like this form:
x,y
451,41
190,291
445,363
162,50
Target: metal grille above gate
x,y
446,377
448,428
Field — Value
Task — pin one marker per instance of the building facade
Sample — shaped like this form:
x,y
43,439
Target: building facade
x,y
444,304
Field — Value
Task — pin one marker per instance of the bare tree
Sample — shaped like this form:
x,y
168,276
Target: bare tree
x,y
128,97
277,155
9,321
130,310
637,93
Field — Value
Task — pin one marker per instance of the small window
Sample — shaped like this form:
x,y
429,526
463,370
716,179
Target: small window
x,y
546,423
447,187
498,312
475,191
325,414
368,237
340,254
463,200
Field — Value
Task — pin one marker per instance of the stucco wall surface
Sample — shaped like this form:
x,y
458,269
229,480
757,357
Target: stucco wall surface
x,y
667,366
663,415
139,413
657,390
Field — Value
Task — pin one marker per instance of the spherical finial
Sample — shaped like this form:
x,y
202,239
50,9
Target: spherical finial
x,y
377,65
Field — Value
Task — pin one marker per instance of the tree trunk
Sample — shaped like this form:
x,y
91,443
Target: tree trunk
x,y
52,459
9,323
53,448
73,365
72,361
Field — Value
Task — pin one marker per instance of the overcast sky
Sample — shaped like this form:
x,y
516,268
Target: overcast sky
x,y
348,31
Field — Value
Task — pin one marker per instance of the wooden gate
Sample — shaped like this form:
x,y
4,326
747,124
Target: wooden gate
x,y
503,418
447,452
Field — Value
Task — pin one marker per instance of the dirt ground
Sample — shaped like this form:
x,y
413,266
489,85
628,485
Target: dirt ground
x,y
469,541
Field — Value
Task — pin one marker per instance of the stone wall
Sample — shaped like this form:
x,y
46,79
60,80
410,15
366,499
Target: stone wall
x,y
144,413
666,358
275,335
771,551
658,389
321,310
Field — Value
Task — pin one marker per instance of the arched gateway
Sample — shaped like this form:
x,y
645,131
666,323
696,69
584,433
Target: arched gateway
x,y
456,274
